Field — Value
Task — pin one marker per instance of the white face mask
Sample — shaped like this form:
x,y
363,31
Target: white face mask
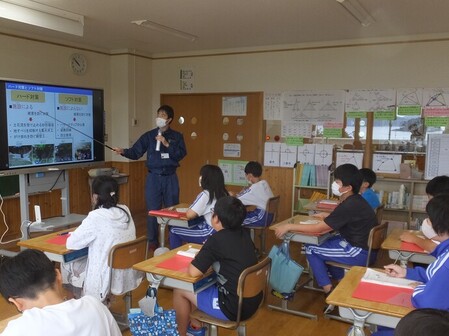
x,y
427,229
199,181
336,189
160,122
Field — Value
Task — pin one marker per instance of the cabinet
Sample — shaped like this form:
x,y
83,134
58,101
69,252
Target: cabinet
x,y
310,183
415,200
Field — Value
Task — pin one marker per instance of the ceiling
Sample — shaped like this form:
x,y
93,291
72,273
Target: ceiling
x,y
231,24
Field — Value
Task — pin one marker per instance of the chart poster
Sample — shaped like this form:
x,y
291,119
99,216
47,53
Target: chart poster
x,y
437,156
387,163
234,172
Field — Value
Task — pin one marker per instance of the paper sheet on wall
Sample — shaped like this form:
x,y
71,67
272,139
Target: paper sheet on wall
x,y
306,154
436,102
323,154
349,157
233,171
272,154
371,100
409,101
232,150
272,106
315,107
387,163
234,106
288,155
437,156
296,129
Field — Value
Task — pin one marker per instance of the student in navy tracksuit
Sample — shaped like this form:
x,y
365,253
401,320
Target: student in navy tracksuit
x,y
162,186
432,293
352,219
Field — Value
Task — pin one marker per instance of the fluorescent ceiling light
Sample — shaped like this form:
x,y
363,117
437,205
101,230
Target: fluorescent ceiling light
x,y
357,11
165,29
36,14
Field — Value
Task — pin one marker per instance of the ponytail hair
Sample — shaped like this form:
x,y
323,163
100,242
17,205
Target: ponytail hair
x,y
107,191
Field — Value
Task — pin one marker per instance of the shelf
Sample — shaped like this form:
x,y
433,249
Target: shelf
x,y
399,152
310,187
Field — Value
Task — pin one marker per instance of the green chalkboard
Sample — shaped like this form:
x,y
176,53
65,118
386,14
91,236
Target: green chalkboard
x,y
9,185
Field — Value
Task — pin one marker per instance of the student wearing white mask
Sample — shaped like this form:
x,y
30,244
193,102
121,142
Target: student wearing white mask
x,y
436,186
164,147
352,220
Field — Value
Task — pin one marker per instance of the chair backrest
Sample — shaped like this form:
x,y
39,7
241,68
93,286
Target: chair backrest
x,y
376,237
252,281
125,255
272,210
379,213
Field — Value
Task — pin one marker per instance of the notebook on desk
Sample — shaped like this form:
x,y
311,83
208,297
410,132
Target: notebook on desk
x,y
411,247
379,287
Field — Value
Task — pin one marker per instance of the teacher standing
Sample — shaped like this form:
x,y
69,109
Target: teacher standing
x,y
165,148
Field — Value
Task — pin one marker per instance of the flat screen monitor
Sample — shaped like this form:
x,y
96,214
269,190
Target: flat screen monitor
x,y
49,127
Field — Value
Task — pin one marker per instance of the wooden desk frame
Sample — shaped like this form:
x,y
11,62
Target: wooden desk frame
x,y
393,245
174,279
361,311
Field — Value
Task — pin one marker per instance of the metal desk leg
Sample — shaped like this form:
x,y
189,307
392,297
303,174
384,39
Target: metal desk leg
x,y
162,224
359,323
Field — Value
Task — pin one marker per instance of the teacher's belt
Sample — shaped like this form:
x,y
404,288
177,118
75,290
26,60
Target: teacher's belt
x,y
160,173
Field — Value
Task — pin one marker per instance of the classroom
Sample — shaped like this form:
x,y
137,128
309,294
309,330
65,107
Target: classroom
x,y
396,49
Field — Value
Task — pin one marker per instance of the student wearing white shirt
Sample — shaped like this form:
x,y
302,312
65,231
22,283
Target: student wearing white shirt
x,y
257,194
30,281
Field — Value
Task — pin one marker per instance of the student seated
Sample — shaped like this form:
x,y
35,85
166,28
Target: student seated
x,y
257,194
31,282
436,186
369,178
352,220
424,322
229,251
432,293
108,224
211,180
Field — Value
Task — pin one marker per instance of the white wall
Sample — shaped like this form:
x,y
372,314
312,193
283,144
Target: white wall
x,y
424,64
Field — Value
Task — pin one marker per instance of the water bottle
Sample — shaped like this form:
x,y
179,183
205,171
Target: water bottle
x,y
158,143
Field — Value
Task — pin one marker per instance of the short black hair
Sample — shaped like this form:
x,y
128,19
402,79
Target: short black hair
x,y
438,185
254,168
423,322
26,275
231,212
368,176
438,211
167,109
349,174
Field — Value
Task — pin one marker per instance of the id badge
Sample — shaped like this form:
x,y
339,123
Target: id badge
x,y
165,156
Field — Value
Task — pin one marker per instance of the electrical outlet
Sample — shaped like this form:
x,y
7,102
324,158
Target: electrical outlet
x,y
134,121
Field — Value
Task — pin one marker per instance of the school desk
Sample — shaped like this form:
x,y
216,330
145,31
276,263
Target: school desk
x,y
170,216
53,245
405,252
4,323
301,237
363,311
170,269
316,207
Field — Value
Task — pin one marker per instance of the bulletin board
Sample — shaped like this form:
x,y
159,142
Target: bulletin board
x,y
215,125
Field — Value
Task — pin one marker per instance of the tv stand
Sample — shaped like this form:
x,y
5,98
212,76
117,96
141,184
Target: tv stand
x,y
43,182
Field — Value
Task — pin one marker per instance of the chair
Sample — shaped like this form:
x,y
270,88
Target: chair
x,y
252,281
121,257
272,209
379,213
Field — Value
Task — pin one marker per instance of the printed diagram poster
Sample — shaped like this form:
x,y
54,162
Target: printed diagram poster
x,y
372,100
233,171
306,154
349,157
316,107
272,154
186,77
323,154
387,163
436,102
437,156
288,155
234,106
409,101
296,129
272,106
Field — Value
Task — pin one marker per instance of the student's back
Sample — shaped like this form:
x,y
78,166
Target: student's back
x,y
83,317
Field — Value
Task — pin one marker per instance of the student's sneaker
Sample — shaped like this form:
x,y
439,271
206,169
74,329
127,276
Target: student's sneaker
x,y
191,331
